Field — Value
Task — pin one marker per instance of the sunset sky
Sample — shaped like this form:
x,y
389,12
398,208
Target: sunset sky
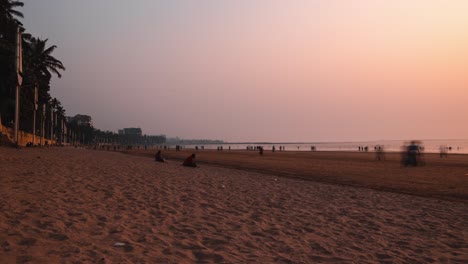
x,y
263,70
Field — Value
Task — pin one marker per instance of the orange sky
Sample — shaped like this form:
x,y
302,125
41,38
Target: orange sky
x,y
264,70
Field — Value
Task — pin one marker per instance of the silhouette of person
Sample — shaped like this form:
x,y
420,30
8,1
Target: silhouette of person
x,y
158,157
190,161
443,151
413,151
379,151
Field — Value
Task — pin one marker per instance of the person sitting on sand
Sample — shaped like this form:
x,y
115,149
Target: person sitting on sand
x,y
190,161
158,157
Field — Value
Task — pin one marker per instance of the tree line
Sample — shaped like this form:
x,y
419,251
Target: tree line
x,y
112,138
39,65
40,113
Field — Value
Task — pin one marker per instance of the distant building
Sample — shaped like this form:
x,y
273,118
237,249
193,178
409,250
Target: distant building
x,y
133,131
81,120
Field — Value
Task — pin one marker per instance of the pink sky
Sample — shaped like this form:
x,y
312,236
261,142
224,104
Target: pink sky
x,y
263,70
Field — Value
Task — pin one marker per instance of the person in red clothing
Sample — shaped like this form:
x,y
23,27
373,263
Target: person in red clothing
x,y
158,157
190,161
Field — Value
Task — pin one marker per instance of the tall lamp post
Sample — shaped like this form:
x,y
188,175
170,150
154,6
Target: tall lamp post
x,y
19,71
51,125
34,115
42,124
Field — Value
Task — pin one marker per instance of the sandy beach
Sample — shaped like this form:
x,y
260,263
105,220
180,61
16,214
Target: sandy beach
x,y
66,205
445,178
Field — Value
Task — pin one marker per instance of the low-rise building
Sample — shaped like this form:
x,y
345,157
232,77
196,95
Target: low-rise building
x,y
133,131
81,120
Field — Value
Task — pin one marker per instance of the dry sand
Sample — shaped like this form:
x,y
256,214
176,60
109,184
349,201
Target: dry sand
x,y
72,206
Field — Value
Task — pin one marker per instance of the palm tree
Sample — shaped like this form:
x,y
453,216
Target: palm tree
x,y
8,12
58,114
42,63
8,22
39,64
39,67
8,26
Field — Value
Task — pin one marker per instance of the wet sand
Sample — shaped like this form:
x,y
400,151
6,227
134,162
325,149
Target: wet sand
x,y
444,178
72,205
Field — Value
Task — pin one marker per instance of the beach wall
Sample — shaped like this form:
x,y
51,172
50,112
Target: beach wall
x,y
23,137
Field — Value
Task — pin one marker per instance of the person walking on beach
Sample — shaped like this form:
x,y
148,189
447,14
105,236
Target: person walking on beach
x,y
158,157
443,151
413,151
190,161
379,152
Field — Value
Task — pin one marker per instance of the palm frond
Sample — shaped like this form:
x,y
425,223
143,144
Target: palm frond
x,y
54,70
49,50
16,4
16,13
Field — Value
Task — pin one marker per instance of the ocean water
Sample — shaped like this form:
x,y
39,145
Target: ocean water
x,y
459,146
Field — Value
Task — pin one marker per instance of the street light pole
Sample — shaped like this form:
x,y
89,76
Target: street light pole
x,y
19,70
42,124
34,115
51,125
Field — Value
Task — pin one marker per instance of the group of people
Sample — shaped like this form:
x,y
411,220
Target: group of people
x,y
366,148
443,150
412,154
188,162
379,152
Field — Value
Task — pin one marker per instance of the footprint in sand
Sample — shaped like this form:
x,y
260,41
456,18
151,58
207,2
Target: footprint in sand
x,y
58,236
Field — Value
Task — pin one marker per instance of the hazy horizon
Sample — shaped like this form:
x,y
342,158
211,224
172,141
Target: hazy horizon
x,y
262,71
